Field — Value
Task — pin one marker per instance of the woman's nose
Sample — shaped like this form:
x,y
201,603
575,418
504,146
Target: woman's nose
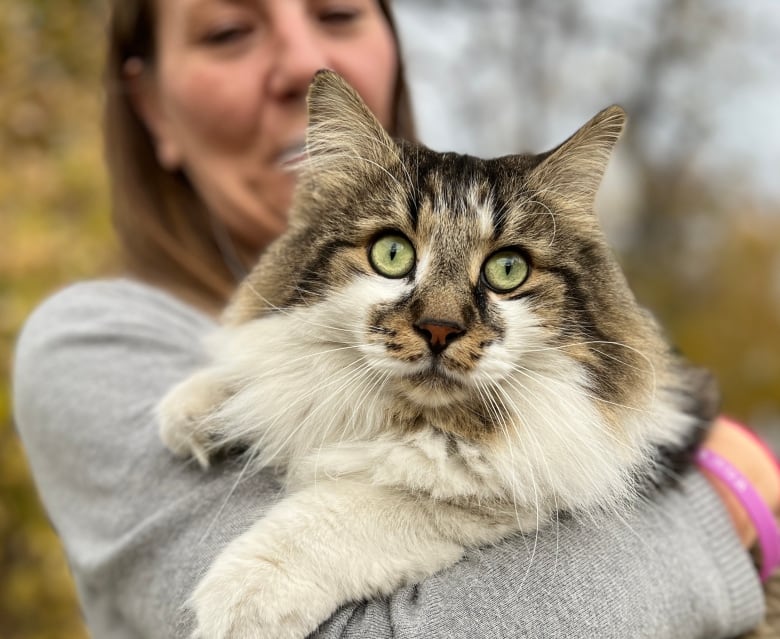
x,y
298,55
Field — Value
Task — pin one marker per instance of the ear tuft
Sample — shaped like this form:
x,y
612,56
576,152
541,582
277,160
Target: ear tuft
x,y
342,130
572,172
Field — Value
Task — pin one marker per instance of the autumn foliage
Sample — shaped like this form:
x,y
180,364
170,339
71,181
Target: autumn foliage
x,y
710,271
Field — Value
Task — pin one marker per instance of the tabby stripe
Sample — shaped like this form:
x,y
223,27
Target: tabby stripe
x,y
499,212
602,374
576,303
413,207
481,302
314,275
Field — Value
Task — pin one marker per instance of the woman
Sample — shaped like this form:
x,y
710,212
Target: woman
x,y
205,110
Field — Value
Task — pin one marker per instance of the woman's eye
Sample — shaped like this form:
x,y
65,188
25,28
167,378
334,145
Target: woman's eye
x,y
336,17
505,270
339,16
226,34
392,256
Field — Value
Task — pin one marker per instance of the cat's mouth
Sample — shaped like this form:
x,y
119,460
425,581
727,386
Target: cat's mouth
x,y
433,386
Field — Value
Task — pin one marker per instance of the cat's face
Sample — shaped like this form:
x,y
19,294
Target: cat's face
x,y
457,279
474,296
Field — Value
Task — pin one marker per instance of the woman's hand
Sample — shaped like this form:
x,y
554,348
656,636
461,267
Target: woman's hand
x,y
748,456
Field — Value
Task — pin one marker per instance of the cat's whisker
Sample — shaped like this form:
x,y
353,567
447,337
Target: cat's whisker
x,y
266,457
548,211
274,372
395,152
294,312
322,162
318,353
540,456
536,508
654,386
556,428
501,417
609,505
513,409
378,379
322,154
350,373
581,390
401,372
558,347
644,356
374,391
241,476
353,388
589,442
354,328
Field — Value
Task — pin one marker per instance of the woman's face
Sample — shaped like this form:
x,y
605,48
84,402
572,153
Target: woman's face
x,y
226,99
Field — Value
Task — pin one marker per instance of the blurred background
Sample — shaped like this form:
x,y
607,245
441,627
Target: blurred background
x,y
691,202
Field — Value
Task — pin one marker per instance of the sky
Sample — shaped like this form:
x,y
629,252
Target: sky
x,y
468,63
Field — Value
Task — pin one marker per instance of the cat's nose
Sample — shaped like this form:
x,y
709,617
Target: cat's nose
x,y
438,333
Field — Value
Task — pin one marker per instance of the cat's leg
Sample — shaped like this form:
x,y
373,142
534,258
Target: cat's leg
x,y
331,543
185,412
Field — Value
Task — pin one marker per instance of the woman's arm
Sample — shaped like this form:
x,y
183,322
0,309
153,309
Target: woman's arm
x,y
140,527
756,464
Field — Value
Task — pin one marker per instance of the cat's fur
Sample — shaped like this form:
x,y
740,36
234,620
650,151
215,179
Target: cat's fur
x,y
558,396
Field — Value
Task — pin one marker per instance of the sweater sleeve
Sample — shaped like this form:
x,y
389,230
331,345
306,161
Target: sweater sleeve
x,y
140,527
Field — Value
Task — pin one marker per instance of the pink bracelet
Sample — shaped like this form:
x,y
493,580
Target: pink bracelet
x,y
760,514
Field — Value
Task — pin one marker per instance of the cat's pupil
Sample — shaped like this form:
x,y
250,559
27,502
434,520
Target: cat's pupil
x,y
393,251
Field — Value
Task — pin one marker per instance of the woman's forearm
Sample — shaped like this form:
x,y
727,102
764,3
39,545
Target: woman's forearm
x,y
141,527
756,465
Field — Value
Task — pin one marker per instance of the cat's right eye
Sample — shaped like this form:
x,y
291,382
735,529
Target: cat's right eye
x,y
505,270
392,255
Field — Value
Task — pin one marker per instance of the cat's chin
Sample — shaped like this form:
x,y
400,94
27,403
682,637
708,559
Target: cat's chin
x,y
432,389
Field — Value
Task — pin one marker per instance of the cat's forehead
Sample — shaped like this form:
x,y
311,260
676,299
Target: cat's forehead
x,y
451,207
452,179
460,195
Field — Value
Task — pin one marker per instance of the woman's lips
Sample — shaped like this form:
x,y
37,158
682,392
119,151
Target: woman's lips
x,y
292,154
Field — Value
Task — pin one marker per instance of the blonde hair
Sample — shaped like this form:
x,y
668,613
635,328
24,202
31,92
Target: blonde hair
x,y
166,233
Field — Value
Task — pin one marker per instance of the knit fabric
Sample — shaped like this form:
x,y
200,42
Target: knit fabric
x,y
140,527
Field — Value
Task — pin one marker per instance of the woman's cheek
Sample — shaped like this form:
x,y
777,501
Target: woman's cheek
x,y
218,113
373,75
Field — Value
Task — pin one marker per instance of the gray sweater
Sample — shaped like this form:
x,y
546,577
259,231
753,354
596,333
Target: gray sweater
x,y
139,526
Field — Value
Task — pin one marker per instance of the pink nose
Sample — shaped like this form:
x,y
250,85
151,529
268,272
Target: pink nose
x,y
439,334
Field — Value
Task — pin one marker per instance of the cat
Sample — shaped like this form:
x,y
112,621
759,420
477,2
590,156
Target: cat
x,y
441,351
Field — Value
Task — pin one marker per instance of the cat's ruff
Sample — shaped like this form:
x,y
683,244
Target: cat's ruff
x,y
419,408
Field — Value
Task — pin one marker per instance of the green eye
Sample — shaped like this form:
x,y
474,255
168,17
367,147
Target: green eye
x,y
392,255
505,270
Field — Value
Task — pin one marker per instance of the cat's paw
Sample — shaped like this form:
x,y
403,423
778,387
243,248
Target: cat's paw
x,y
257,600
183,416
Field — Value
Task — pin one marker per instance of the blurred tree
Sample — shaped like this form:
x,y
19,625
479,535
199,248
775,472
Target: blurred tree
x,y
691,206
699,241
55,228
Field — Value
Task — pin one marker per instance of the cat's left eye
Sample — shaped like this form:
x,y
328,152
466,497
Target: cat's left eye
x,y
505,270
392,255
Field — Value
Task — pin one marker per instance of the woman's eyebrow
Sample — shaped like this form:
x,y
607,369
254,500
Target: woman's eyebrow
x,y
197,4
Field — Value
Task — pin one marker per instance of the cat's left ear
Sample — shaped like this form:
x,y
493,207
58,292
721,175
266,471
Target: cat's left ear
x,y
343,135
572,172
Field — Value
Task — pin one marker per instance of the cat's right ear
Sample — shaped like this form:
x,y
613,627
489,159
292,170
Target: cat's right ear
x,y
572,172
343,135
